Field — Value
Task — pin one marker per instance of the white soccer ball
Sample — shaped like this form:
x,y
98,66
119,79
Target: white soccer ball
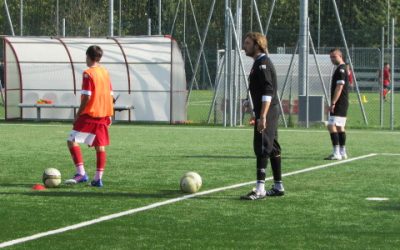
x,y
196,176
51,177
191,182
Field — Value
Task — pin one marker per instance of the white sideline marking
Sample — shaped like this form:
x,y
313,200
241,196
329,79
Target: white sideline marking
x,y
163,203
389,154
377,199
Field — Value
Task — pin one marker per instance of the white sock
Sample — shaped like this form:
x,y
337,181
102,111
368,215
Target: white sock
x,y
99,175
80,169
336,150
260,186
343,150
279,185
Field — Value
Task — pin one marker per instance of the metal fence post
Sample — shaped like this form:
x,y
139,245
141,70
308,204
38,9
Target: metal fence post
x,y
392,81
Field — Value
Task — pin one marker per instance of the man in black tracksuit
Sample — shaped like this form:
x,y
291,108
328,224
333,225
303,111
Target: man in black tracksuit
x,y
263,91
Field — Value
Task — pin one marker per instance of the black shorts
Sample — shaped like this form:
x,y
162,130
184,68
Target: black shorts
x,y
266,144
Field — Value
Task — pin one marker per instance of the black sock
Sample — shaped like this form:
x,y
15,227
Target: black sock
x,y
276,167
335,139
261,166
342,138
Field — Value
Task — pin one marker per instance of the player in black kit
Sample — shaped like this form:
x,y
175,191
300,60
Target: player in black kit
x,y
263,91
339,106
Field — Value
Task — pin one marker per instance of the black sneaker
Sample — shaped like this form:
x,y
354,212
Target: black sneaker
x,y
274,192
253,195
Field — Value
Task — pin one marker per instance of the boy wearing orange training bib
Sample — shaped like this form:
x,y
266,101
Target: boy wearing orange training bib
x,y
93,118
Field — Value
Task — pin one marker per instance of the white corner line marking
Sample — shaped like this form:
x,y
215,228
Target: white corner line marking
x,y
163,203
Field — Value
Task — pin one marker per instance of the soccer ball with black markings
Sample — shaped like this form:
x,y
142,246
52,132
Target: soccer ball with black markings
x,y
191,182
51,177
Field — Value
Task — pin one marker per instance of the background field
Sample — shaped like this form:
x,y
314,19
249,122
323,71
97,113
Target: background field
x,y
200,102
323,209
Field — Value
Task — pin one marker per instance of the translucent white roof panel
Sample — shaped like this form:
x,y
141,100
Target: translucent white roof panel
x,y
79,68
118,75
143,40
111,50
150,77
92,41
18,39
148,53
151,106
39,50
146,49
47,76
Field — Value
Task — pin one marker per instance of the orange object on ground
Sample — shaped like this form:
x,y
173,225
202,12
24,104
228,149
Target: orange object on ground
x,y
38,187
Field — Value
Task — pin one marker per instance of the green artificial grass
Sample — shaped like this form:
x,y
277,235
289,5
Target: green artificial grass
x,y
322,209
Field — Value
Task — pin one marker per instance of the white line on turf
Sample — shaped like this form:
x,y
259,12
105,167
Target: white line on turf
x,y
163,203
390,154
377,199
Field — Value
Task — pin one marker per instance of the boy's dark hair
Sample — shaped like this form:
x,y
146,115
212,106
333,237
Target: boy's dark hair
x,y
95,53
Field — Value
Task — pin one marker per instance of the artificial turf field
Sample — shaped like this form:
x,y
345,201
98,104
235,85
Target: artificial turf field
x,y
200,102
323,208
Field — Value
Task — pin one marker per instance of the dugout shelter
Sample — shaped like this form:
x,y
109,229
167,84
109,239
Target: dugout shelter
x,y
147,73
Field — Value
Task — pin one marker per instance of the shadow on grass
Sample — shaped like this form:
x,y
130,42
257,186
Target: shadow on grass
x,y
252,157
387,206
23,185
166,194
171,194
83,191
220,156
220,197
89,192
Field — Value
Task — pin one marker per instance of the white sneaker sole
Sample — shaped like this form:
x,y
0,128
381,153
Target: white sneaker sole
x,y
70,182
334,158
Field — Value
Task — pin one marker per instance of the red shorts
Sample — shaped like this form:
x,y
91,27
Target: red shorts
x,y
91,131
386,83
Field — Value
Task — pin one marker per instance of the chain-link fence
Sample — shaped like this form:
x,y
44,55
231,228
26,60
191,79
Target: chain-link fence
x,y
367,108
291,94
186,20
